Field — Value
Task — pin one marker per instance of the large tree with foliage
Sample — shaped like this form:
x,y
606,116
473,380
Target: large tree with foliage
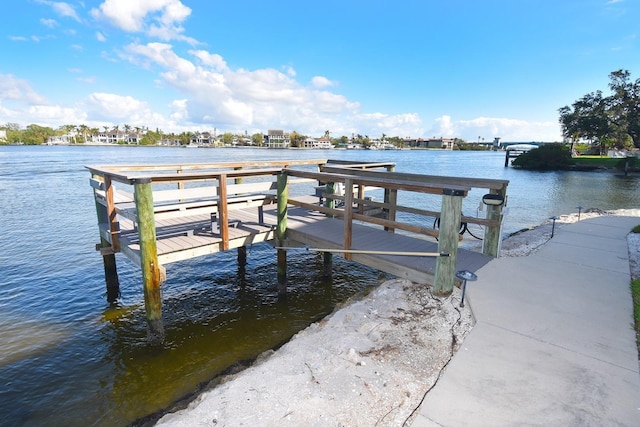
x,y
611,121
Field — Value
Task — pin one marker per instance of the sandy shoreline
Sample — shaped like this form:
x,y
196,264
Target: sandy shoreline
x,y
369,363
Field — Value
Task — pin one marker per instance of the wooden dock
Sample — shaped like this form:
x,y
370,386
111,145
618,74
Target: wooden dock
x,y
159,214
513,151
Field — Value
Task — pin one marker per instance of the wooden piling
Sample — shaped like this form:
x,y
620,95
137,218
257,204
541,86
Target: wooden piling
x,y
242,256
348,216
492,235
110,274
151,270
327,257
327,264
391,198
108,256
450,214
281,231
223,211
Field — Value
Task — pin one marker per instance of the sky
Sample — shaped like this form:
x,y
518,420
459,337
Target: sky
x,y
470,69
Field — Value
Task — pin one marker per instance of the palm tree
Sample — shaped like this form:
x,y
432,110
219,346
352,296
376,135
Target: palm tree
x,y
83,131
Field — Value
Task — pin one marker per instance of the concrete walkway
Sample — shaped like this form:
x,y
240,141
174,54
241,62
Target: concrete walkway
x,y
554,343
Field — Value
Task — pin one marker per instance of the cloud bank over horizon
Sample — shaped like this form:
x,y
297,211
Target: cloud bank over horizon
x,y
158,64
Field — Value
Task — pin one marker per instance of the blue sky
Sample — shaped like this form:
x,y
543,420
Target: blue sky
x,y
421,68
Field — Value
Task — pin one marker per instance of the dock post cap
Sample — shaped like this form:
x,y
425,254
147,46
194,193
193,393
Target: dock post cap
x,y
452,192
141,180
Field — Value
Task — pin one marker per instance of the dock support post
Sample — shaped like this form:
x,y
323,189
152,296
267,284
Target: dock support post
x,y
110,274
242,256
327,264
327,257
281,231
108,259
152,272
450,215
391,198
492,235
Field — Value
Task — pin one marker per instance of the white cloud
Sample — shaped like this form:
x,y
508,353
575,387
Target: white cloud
x,y
56,115
161,19
243,99
215,95
65,9
88,79
210,59
289,70
62,9
50,23
21,104
14,89
321,82
117,108
488,128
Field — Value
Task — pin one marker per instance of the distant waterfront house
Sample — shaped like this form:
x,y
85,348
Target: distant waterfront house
x,y
443,143
99,138
66,139
169,142
114,137
320,143
3,135
201,138
277,139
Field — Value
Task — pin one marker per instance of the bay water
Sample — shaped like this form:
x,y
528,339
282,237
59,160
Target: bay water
x,y
67,357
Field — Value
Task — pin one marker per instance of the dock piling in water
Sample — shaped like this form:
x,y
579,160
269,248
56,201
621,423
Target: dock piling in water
x,y
281,231
151,276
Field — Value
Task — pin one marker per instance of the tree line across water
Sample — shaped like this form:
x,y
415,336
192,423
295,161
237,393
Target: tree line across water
x,y
605,122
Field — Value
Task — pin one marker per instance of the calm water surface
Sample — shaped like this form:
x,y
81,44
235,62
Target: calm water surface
x,y
68,358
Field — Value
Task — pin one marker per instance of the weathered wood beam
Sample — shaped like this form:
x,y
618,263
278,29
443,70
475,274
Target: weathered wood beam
x,y
151,270
348,217
492,234
448,242
223,211
281,232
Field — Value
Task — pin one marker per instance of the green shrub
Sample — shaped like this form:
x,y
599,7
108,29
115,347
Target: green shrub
x,y
629,162
636,229
546,157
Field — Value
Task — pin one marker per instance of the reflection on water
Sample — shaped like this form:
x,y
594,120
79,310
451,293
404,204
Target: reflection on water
x,y
69,358
215,315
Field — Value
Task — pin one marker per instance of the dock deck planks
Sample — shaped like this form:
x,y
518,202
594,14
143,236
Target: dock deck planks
x,y
183,238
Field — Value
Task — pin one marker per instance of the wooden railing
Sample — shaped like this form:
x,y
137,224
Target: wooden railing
x,y
492,222
199,188
357,177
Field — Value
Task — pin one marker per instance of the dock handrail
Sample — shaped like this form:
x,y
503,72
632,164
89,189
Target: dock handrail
x,y
452,195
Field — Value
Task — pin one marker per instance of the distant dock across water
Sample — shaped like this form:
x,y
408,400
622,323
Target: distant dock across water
x,y
159,214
